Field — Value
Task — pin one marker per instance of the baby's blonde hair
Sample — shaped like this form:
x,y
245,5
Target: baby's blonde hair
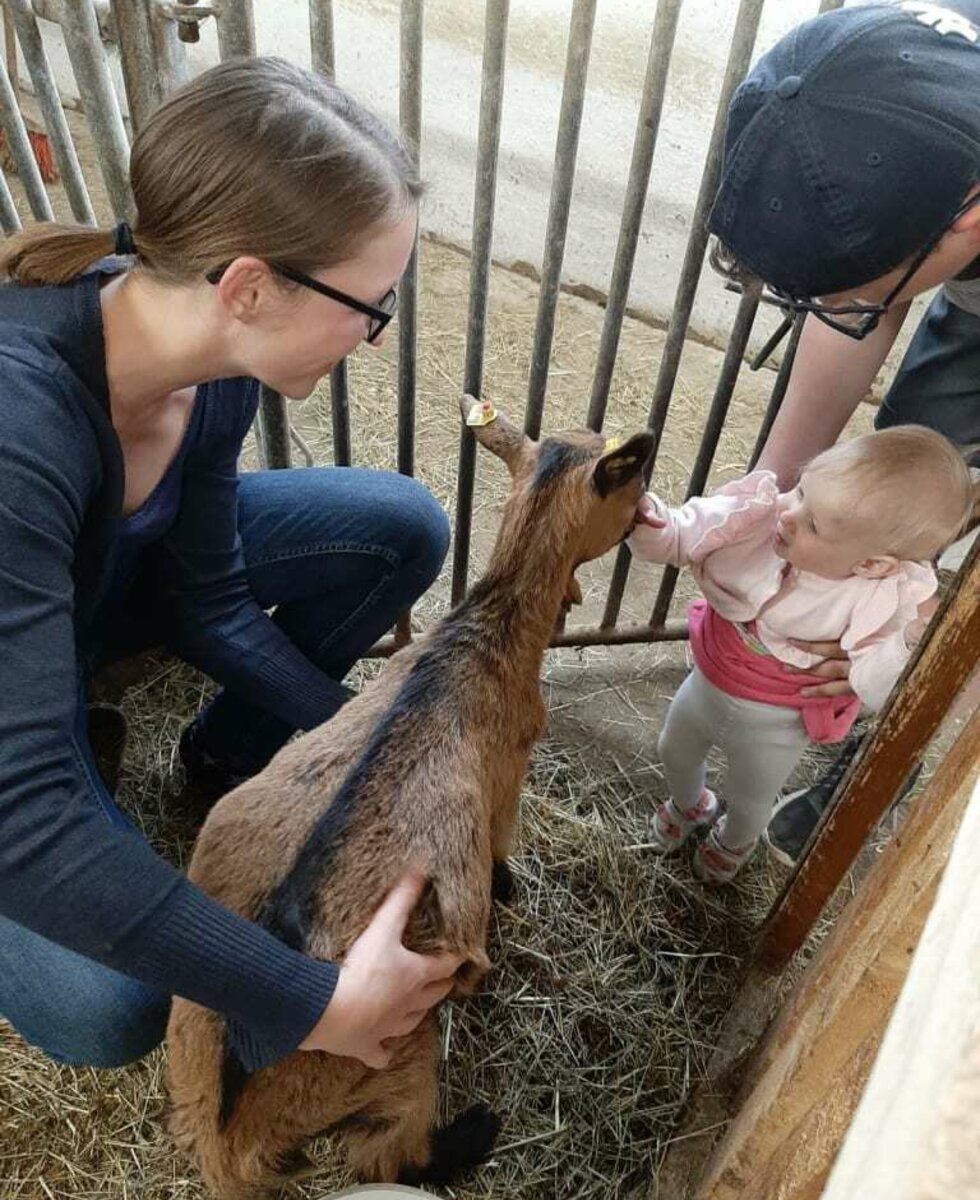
x,y
908,486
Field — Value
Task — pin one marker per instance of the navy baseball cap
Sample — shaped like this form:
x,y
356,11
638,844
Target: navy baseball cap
x,y
851,144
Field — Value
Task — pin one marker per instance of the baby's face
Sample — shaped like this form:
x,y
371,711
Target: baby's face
x,y
816,533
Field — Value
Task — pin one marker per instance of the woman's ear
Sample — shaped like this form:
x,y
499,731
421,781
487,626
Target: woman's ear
x,y
622,463
494,431
244,287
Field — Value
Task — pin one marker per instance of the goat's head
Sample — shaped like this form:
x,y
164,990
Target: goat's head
x,y
589,485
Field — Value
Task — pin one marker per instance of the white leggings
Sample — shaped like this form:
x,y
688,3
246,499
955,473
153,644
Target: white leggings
x,y
762,743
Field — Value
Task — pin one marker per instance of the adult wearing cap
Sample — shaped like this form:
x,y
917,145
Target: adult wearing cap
x,y
851,184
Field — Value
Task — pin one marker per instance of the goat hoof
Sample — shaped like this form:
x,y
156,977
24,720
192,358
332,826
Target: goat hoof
x,y
502,885
456,1148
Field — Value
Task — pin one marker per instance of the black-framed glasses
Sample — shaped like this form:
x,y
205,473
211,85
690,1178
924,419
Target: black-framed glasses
x,y
380,314
859,317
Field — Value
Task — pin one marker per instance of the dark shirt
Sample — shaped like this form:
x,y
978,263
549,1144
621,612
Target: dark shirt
x,y
65,871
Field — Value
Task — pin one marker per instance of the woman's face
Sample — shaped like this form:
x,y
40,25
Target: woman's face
x,y
291,337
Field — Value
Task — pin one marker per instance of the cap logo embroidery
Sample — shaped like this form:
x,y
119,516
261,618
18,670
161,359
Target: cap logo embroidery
x,y
942,20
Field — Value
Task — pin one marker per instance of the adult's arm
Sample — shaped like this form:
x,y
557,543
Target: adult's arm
x,y
66,872
831,374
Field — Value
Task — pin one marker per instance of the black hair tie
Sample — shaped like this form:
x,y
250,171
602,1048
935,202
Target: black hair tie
x,y
124,244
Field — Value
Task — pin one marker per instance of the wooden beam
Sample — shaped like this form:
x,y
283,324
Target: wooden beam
x,y
910,719
915,1135
807,1077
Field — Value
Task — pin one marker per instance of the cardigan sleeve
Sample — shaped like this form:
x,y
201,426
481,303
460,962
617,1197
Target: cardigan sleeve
x,y
66,871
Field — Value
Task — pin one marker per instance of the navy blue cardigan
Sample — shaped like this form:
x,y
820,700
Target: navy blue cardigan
x,y
65,871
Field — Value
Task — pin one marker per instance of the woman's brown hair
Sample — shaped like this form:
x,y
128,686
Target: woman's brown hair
x,y
253,157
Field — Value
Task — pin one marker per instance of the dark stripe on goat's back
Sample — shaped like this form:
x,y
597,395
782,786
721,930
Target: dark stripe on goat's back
x,y
555,458
291,906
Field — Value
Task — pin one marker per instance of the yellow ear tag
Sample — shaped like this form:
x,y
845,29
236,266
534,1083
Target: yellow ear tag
x,y
482,413
612,443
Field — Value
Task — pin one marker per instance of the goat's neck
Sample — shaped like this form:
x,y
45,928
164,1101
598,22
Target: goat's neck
x,y
520,595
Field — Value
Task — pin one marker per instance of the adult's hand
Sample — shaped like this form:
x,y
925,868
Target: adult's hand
x,y
835,668
383,990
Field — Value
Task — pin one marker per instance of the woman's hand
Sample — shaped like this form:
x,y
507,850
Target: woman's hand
x,y
835,667
383,990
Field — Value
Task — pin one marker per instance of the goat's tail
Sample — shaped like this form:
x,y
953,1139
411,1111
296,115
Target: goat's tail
x,y
195,1051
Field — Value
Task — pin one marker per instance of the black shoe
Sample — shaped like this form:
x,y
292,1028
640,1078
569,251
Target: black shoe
x,y
107,732
207,777
795,816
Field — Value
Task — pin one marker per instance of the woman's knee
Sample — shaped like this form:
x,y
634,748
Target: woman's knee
x,y
423,531
110,1023
121,1031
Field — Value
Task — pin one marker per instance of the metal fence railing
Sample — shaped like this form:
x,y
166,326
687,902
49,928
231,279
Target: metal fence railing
x,y
151,36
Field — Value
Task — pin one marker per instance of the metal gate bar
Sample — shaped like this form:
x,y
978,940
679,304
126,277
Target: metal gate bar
x,y
410,117
713,425
23,155
9,219
88,62
136,53
779,387
484,199
739,56
323,59
566,151
644,145
49,102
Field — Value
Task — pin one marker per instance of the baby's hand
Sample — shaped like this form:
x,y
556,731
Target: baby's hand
x,y
646,513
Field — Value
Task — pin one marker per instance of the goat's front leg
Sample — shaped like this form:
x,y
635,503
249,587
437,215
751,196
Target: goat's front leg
x,y
502,837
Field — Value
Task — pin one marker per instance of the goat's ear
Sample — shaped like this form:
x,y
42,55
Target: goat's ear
x,y
494,431
622,463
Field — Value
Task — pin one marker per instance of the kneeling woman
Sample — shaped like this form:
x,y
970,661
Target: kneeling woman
x,y
274,217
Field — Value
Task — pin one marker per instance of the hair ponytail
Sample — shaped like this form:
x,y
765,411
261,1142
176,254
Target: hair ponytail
x,y
49,254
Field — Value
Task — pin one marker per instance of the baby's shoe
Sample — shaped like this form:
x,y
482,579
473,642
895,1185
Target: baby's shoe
x,y
671,826
714,862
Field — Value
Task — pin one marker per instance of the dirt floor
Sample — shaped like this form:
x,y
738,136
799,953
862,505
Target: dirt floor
x,y
613,968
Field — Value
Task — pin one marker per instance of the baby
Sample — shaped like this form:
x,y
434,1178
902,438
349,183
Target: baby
x,y
844,557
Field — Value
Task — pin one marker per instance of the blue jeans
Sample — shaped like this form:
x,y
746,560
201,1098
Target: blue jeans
x,y
339,553
938,382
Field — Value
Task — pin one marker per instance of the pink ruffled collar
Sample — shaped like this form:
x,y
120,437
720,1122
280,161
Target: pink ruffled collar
x,y
757,495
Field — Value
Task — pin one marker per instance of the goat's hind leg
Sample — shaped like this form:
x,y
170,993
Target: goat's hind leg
x,y
392,1137
389,1132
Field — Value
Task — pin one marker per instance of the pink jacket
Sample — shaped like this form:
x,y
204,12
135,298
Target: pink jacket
x,y
726,539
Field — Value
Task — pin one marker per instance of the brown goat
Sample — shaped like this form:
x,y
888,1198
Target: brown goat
x,y
424,768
